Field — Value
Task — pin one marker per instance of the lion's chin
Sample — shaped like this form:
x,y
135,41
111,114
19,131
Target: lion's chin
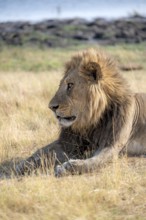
x,y
66,121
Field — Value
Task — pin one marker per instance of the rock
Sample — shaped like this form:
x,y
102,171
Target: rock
x,y
52,33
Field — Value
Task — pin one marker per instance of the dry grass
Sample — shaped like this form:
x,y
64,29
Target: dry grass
x,y
117,191
25,120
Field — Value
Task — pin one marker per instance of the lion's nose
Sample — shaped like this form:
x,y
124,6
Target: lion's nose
x,y
53,107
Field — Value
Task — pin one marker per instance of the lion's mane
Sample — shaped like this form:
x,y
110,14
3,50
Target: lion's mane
x,y
111,89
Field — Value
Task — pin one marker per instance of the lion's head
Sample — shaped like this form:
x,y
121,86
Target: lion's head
x,y
90,83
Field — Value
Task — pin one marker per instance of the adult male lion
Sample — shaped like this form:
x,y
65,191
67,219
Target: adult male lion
x,y
98,114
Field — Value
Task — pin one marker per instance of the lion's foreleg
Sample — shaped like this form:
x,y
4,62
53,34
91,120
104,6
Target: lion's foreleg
x,y
51,154
88,165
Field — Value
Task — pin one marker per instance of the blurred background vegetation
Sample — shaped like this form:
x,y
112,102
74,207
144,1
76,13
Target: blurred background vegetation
x,y
41,35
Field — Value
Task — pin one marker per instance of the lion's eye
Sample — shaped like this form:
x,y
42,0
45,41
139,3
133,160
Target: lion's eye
x,y
69,86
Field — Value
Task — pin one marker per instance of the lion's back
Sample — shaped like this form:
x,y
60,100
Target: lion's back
x,y
137,145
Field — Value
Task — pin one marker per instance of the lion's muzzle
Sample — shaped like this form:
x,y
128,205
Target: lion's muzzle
x,y
65,121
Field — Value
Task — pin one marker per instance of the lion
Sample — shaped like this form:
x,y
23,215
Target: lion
x,y
98,114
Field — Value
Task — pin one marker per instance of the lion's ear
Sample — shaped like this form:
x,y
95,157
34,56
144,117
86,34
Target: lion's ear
x,y
92,71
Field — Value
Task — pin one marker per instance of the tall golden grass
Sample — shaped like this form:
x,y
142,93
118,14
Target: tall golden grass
x,y
117,191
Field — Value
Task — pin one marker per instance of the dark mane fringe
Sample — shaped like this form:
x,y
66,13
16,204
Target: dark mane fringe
x,y
100,135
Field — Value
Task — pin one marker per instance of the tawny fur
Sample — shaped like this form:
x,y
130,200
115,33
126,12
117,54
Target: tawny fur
x,y
111,88
99,114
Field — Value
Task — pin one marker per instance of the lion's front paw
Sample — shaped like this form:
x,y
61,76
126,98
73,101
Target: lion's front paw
x,y
74,166
60,171
70,167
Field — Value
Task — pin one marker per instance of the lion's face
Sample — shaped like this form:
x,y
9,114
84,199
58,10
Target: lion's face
x,y
70,101
90,83
79,101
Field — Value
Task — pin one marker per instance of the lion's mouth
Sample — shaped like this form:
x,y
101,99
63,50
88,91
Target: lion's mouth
x,y
66,121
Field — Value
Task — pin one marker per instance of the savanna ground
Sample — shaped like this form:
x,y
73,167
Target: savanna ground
x,y
28,79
